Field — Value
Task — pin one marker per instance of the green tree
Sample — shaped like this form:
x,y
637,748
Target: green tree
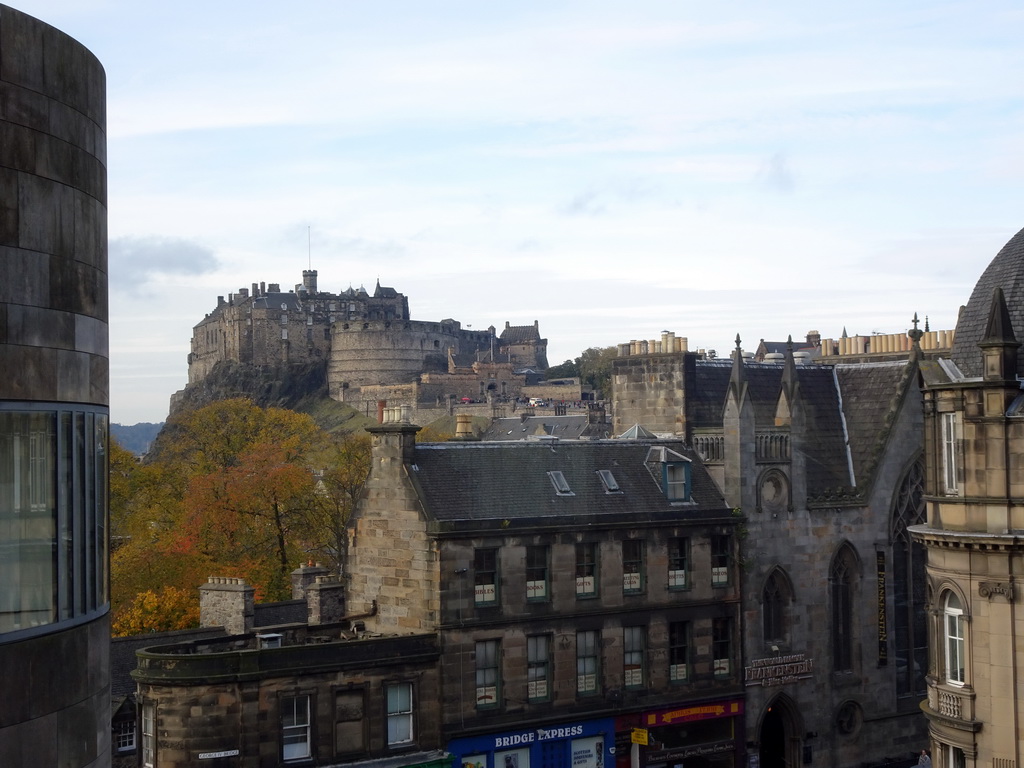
x,y
595,367
566,370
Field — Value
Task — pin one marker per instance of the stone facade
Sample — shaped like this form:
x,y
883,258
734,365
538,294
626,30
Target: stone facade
x,y
974,443
524,583
54,625
319,696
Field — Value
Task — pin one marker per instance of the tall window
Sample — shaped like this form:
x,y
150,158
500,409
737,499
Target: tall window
x,y
949,454
148,735
399,714
721,547
295,727
955,757
53,515
676,485
587,662
773,608
721,646
841,592
538,668
679,651
634,640
953,618
537,573
488,673
910,627
485,576
679,563
586,570
632,566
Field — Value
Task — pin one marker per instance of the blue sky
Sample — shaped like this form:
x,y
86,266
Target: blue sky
x,y
609,169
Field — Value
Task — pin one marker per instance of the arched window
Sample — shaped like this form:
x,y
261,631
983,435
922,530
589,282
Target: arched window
x,y
775,597
953,636
841,587
910,625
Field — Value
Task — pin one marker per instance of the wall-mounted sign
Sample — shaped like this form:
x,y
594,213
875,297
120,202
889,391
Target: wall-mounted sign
x,y
686,714
883,629
778,670
212,755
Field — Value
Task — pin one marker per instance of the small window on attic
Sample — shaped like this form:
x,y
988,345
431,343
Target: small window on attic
x,y
611,485
671,471
561,485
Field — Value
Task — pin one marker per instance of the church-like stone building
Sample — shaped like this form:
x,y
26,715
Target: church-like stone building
x,y
823,463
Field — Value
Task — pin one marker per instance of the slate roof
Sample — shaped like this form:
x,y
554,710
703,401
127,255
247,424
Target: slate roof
x,y
826,457
474,482
284,612
569,427
520,334
825,446
1006,271
870,391
275,300
712,383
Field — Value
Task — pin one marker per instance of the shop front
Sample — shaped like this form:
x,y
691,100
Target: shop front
x,y
705,735
586,744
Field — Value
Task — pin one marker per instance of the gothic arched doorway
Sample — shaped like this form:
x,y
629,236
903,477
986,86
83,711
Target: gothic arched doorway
x,y
779,737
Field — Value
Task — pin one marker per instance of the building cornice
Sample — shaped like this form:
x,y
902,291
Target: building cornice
x,y
980,540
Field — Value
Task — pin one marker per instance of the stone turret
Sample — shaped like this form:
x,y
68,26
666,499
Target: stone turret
x,y
740,446
999,346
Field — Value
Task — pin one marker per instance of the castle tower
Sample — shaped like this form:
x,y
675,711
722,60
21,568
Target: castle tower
x,y
309,280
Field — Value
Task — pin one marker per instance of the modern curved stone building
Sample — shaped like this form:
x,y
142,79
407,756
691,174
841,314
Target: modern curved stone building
x,y
54,626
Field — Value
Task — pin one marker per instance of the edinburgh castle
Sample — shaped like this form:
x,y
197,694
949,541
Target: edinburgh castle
x,y
367,346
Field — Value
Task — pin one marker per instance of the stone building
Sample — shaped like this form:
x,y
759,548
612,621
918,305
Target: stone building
x,y
296,682
579,590
364,341
824,464
54,625
974,441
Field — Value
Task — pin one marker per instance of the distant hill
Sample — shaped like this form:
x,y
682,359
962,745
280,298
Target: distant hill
x,y
135,437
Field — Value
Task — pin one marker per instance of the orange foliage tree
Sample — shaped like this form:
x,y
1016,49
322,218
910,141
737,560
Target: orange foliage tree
x,y
237,490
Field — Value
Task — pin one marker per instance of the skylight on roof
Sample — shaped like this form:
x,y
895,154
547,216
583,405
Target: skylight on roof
x,y
561,484
611,485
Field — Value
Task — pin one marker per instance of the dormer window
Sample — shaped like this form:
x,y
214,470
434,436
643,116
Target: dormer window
x,y
561,484
611,485
672,471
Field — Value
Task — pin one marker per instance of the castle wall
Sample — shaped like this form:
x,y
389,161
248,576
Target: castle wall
x,y
389,353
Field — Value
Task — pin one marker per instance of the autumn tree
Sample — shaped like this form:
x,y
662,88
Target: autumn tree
x,y
344,466
237,490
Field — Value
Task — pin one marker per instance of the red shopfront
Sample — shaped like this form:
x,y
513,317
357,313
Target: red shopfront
x,y
705,735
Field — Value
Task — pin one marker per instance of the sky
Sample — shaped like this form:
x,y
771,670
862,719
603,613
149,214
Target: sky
x,y
609,169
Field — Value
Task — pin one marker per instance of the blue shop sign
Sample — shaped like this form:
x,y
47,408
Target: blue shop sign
x,y
589,744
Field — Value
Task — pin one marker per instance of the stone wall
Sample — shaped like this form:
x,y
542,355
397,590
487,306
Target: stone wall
x,y
392,560
650,390
53,349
